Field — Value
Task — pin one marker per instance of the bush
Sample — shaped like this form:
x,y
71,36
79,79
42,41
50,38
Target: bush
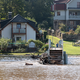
x,y
45,47
71,32
20,43
78,29
4,44
45,40
62,27
20,50
70,36
38,43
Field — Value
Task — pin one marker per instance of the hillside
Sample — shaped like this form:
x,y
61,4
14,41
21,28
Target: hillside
x,y
67,46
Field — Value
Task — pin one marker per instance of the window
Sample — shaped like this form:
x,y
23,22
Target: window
x,y
71,22
18,38
58,13
75,13
18,25
78,4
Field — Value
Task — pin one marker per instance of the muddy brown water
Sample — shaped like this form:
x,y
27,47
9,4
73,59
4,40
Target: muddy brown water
x,y
12,68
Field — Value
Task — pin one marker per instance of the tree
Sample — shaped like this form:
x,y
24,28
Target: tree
x,y
44,24
14,6
78,29
62,27
39,9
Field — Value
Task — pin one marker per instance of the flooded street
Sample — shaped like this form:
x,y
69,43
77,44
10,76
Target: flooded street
x,y
15,69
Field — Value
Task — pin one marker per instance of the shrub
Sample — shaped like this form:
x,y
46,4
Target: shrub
x,y
38,43
70,36
45,40
4,44
20,43
20,50
45,47
78,29
62,27
71,32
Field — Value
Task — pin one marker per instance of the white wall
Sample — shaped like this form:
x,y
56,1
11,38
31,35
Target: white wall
x,y
22,37
15,25
31,33
22,25
67,14
62,15
73,3
6,32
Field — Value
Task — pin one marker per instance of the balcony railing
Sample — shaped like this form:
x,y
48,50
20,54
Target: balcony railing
x,y
59,18
74,16
19,30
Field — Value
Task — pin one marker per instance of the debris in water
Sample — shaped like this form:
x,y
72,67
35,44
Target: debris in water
x,y
28,64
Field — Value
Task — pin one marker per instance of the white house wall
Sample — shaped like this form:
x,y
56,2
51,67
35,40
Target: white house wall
x,y
31,33
62,15
22,37
6,32
22,25
15,25
67,14
73,3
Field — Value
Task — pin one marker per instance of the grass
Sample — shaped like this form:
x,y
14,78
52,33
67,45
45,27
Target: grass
x,y
21,54
27,53
54,40
67,46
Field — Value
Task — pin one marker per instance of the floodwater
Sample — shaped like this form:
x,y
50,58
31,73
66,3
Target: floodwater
x,y
13,68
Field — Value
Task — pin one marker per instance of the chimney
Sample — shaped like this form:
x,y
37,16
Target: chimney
x,y
9,15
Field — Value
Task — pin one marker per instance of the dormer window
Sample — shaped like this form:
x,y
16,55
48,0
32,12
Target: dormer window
x,y
18,25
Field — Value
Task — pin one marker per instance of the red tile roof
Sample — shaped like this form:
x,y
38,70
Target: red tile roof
x,y
61,1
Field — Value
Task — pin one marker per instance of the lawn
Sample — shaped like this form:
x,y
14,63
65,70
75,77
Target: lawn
x,y
67,46
27,53
21,54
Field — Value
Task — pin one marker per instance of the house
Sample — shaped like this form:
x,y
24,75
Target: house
x,y
18,28
66,12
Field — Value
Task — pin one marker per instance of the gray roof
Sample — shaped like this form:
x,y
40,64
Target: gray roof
x,y
18,19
